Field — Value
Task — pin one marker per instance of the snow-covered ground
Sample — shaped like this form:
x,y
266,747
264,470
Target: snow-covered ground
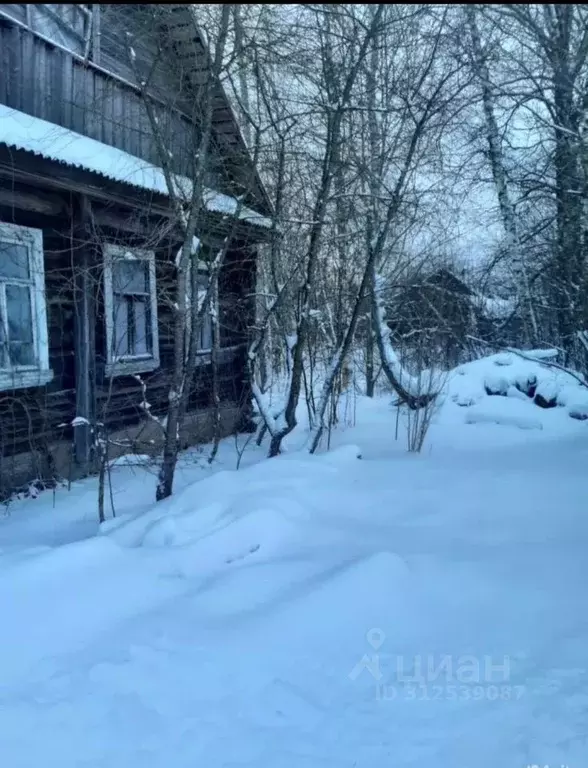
x,y
389,610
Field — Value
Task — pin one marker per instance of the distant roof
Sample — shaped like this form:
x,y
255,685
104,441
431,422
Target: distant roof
x,y
53,142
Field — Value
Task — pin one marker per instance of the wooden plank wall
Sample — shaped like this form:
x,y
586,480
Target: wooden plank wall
x,y
34,419
31,418
45,81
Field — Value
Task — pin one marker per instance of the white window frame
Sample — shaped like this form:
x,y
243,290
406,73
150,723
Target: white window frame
x,y
39,374
125,365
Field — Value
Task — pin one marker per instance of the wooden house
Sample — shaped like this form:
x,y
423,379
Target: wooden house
x,y
434,315
88,237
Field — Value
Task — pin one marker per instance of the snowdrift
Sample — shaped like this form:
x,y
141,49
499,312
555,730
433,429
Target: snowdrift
x,y
517,389
313,610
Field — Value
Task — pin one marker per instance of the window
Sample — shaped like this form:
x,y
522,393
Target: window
x,y
205,336
67,25
204,341
24,348
130,301
71,26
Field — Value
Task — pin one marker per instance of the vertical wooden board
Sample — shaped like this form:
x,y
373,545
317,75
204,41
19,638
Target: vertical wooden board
x,y
66,67
143,126
28,75
133,121
118,138
123,128
107,113
95,32
38,68
152,153
127,121
98,106
48,79
93,105
15,68
55,69
78,109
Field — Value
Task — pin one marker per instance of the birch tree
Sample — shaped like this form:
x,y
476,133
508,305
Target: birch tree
x,y
188,200
419,103
546,64
496,159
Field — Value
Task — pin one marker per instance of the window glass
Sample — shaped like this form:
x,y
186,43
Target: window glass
x,y
121,327
131,277
24,347
131,331
16,316
14,261
141,340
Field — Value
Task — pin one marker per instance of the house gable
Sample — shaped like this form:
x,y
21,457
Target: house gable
x,y
88,83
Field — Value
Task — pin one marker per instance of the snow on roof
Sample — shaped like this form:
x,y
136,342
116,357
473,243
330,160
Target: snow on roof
x,y
496,308
53,142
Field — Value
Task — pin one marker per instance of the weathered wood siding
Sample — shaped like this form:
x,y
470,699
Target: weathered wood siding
x,y
118,400
31,419
34,420
100,100
46,81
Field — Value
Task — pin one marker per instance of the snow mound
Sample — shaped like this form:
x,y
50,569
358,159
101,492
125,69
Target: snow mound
x,y
131,459
251,526
578,411
516,390
497,415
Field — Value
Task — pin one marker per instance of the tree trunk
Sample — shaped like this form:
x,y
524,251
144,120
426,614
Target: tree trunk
x,y
179,392
507,208
329,165
370,380
408,389
216,401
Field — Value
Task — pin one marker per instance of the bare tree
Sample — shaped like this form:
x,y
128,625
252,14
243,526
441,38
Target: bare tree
x,y
544,66
496,160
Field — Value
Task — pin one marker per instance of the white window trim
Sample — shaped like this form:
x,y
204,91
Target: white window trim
x,y
127,365
22,377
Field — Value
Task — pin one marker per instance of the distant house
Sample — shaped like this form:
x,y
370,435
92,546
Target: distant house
x,y
435,315
87,241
